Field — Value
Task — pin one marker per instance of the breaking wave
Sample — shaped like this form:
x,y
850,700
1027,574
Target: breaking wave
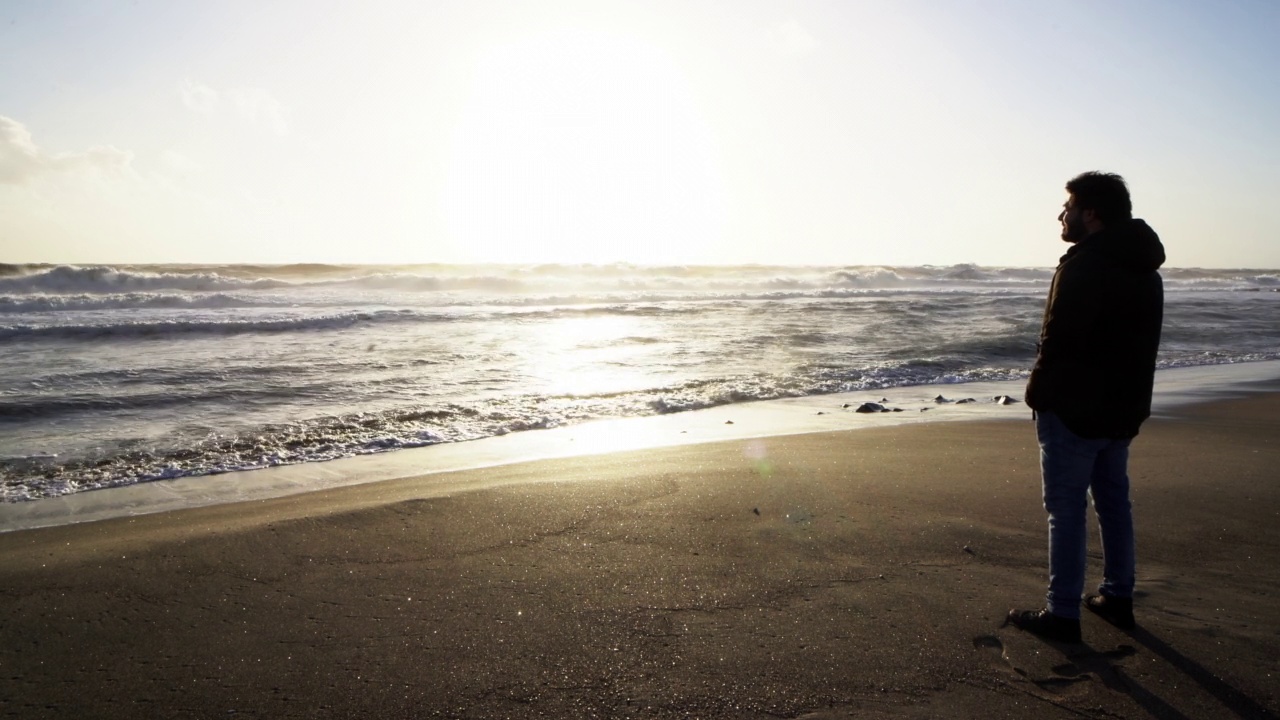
x,y
168,328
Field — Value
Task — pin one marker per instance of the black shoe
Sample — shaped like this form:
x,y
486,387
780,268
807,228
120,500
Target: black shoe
x,y
1046,625
1116,610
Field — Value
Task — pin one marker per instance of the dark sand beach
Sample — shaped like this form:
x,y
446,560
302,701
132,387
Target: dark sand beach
x,y
852,574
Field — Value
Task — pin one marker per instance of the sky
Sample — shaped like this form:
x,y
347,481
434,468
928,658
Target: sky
x,y
901,132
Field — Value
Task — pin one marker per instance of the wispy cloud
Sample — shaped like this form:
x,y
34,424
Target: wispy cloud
x,y
257,106
790,38
253,106
200,98
21,160
176,162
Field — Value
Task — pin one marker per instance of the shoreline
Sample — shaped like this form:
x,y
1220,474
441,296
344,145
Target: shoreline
x,y
1175,388
823,575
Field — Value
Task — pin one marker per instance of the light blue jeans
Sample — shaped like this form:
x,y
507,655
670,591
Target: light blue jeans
x,y
1073,468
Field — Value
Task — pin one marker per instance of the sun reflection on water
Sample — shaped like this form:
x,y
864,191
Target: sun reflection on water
x,y
594,355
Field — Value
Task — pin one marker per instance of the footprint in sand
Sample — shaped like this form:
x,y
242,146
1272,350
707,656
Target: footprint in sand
x,y
1083,667
995,649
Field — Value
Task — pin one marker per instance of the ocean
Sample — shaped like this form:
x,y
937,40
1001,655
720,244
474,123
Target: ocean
x,y
116,375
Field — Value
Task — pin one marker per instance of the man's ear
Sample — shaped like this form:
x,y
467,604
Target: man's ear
x,y
1089,215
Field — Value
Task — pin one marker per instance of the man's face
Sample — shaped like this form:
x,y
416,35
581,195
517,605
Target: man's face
x,y
1072,219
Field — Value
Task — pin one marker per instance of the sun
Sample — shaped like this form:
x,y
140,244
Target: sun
x,y
580,146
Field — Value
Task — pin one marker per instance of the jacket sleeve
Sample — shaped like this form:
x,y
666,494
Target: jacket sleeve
x,y
1073,309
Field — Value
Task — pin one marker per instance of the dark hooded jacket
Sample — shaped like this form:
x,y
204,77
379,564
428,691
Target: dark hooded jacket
x,y
1096,359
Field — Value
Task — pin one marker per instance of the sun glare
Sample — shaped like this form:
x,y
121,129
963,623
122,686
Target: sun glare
x,y
604,360
582,147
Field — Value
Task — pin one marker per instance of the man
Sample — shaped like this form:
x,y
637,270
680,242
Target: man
x,y
1090,390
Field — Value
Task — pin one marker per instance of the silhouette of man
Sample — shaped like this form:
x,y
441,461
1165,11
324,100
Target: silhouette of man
x,y
1090,390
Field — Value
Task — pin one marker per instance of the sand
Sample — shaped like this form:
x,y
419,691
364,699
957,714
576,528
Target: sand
x,y
840,574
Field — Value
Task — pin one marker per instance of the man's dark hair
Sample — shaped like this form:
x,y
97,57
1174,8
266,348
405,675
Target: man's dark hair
x,y
1104,193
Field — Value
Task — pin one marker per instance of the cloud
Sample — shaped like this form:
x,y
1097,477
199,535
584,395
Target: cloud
x,y
19,157
21,160
253,106
790,38
200,98
176,162
258,107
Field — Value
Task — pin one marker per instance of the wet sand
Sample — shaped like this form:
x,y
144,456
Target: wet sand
x,y
843,574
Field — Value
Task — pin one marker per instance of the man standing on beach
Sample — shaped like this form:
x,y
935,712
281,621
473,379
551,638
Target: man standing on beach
x,y
1090,389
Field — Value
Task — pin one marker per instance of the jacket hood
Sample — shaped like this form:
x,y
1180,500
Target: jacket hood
x,y
1132,244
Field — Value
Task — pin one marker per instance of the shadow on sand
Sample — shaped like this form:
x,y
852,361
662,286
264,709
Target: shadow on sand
x,y
1236,701
1086,661
1113,676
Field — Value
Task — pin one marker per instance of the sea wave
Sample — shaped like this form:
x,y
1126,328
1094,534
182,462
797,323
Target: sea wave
x,y
334,436
521,281
37,475
48,407
107,279
166,328
39,303
1179,280
81,280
